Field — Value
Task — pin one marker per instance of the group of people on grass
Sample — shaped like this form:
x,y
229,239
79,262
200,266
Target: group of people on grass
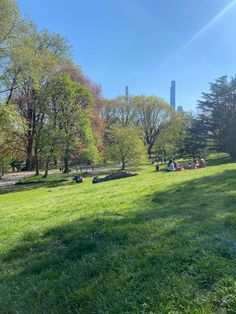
x,y
173,165
79,179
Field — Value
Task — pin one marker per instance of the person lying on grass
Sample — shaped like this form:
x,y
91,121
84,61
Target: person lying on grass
x,y
78,179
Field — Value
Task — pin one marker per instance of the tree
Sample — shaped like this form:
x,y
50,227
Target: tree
x,y
9,23
152,115
119,110
41,58
172,138
194,142
11,124
126,145
71,113
49,145
98,122
218,115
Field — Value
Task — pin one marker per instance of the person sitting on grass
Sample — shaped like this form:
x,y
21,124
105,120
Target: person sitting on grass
x,y
96,179
201,162
195,164
176,165
170,166
78,179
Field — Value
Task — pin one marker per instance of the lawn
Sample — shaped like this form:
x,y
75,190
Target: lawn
x,y
154,243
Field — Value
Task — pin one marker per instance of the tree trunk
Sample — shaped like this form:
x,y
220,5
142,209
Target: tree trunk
x,y
2,170
66,164
46,169
29,156
36,166
36,162
123,165
150,149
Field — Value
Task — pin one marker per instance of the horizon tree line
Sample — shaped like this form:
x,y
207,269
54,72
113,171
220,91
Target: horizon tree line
x,y
50,111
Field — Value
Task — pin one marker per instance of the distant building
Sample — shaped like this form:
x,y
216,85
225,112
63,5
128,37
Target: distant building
x,y
126,92
172,94
180,109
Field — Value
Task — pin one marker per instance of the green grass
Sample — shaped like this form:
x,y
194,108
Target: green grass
x,y
154,243
63,177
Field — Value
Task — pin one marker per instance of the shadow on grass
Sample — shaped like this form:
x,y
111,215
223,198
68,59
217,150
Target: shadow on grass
x,y
174,253
220,160
39,182
32,186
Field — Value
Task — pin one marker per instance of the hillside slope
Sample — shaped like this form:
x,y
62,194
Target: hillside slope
x,y
155,243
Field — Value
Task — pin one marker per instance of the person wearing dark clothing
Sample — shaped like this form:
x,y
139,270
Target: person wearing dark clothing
x,y
78,179
95,179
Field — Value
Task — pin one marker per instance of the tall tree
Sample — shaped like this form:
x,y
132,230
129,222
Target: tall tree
x,y
171,139
71,105
126,144
41,57
152,116
119,110
98,123
11,123
218,110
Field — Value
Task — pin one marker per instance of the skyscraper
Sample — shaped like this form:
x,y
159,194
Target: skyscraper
x,y
180,109
172,94
126,92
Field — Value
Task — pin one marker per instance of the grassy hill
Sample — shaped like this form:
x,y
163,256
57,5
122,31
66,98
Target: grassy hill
x,y
154,243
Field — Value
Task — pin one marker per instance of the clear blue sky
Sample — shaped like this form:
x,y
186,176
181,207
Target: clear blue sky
x,y
145,43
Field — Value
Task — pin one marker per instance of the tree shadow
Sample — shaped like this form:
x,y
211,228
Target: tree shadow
x,y
162,256
220,160
33,186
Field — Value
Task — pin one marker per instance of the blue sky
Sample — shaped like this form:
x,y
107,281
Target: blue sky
x,y
145,43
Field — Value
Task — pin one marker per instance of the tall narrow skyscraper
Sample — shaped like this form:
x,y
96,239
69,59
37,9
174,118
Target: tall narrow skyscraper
x,y
126,92
172,94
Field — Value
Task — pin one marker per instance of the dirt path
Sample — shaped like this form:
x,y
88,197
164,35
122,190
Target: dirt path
x,y
10,179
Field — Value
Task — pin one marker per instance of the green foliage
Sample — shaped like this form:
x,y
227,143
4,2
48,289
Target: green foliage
x,y
11,124
172,138
9,23
150,114
119,111
194,141
154,243
71,109
218,115
126,145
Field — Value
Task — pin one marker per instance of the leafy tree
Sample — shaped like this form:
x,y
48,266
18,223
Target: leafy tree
x,y
49,146
194,142
13,34
152,116
126,145
119,110
11,124
218,112
71,108
172,138
9,22
98,122
41,57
